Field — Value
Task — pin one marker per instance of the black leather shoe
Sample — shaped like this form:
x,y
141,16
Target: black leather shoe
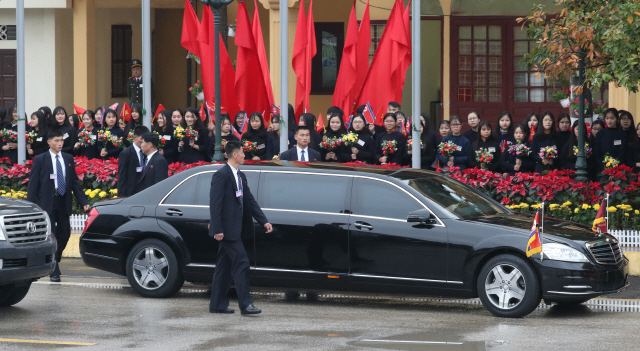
x,y
251,309
227,311
55,278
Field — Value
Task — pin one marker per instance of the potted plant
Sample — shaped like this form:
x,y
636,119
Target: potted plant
x,y
232,30
574,111
562,96
599,108
196,90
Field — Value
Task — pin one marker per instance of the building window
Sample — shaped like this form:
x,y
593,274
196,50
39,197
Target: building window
x,y
120,59
528,86
480,63
326,63
7,32
376,34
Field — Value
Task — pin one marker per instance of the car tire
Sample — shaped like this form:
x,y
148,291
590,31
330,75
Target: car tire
x,y
11,294
508,287
153,269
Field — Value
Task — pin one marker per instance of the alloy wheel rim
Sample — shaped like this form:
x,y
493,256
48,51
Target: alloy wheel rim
x,y
505,286
150,268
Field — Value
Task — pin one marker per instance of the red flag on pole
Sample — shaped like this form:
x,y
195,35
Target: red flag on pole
x,y
227,73
249,82
320,124
383,82
312,50
298,60
406,61
125,113
600,222
362,56
158,110
348,74
256,28
190,29
203,114
79,111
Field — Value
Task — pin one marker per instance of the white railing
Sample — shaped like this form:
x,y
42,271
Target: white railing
x,y
627,238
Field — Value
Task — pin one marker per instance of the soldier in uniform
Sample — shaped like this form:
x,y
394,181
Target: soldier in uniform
x,y
134,84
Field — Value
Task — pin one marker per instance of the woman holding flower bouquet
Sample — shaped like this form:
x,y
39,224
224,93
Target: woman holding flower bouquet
x,y
485,152
194,143
363,149
503,133
256,134
68,132
38,143
227,135
569,154
136,120
9,140
544,147
392,145
273,138
611,141
458,156
162,127
87,144
110,129
517,156
338,151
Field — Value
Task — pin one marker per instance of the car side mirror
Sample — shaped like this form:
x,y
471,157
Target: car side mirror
x,y
422,216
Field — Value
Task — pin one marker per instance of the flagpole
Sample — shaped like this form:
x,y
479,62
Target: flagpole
x,y
416,83
20,78
607,213
284,75
541,231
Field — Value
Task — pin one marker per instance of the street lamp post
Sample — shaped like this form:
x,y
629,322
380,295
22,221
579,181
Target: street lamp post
x,y
215,6
581,161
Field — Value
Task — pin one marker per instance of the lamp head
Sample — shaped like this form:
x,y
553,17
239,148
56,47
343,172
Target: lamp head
x,y
216,4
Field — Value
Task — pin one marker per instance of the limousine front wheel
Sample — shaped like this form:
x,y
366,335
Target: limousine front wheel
x,y
508,286
152,269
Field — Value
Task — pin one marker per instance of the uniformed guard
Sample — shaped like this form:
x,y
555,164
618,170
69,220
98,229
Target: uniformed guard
x,y
134,85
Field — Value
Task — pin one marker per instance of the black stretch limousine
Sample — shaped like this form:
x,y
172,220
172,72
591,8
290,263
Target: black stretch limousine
x,y
357,229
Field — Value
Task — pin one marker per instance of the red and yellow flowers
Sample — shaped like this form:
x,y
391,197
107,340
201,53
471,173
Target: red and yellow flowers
x,y
389,147
519,150
447,149
250,147
330,144
484,156
9,136
85,138
31,137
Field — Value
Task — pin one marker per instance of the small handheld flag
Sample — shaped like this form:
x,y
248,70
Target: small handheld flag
x,y
436,164
79,110
534,244
503,145
600,222
125,114
203,115
320,124
368,114
102,115
114,107
211,111
160,109
245,124
533,132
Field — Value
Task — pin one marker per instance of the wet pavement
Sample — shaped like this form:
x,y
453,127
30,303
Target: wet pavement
x,y
95,310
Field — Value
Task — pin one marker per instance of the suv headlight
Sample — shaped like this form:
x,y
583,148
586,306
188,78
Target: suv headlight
x,y
560,252
46,215
3,235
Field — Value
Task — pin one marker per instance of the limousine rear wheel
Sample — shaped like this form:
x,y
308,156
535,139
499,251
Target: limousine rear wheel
x,y
508,287
153,270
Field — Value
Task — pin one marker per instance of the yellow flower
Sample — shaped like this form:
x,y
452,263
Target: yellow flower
x,y
113,191
523,205
626,215
536,206
92,195
86,192
612,209
596,207
577,210
552,207
103,194
585,207
568,203
636,212
609,164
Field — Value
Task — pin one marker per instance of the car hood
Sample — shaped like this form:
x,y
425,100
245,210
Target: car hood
x,y
10,206
557,229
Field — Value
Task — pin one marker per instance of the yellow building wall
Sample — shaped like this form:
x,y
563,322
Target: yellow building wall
x,y
622,99
170,76
64,59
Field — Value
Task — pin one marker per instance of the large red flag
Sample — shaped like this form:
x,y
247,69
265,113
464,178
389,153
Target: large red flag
x,y
207,65
362,55
345,84
190,28
383,82
256,28
299,61
249,85
312,50
406,62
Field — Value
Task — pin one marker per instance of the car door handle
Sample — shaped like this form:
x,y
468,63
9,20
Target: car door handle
x,y
173,212
361,225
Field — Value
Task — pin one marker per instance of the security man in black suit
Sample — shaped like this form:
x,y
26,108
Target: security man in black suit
x,y
156,168
232,208
53,178
301,152
134,84
130,164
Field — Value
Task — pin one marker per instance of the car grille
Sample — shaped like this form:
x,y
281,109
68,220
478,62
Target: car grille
x,y
17,228
606,252
14,263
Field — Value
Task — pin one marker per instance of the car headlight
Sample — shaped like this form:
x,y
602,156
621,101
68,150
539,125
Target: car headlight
x,y
46,215
560,252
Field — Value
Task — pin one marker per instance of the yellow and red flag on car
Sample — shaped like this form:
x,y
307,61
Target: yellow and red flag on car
x,y
534,245
600,222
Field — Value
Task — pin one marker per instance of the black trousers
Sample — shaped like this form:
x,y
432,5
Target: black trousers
x,y
232,265
61,229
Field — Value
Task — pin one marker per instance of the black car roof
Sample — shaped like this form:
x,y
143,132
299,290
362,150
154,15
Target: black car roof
x,y
333,168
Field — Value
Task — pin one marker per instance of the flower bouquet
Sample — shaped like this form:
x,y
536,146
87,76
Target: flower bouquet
x,y
250,147
31,137
84,138
350,139
548,153
519,150
104,135
610,162
484,156
161,141
9,136
178,133
130,137
587,150
330,144
117,141
447,149
410,144
190,134
224,144
389,147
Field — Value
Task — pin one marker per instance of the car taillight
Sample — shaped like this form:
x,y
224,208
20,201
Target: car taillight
x,y
93,214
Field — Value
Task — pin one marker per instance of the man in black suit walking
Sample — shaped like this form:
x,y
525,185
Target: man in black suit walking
x,y
302,151
156,168
232,208
131,164
52,180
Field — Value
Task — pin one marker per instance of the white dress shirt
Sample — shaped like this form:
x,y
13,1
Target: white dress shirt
x,y
235,174
150,156
306,153
135,147
55,167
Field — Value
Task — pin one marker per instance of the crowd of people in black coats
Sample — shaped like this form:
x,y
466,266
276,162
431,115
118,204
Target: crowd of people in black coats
x,y
616,137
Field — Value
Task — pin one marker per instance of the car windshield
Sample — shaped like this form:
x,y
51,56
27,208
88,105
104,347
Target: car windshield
x,y
454,197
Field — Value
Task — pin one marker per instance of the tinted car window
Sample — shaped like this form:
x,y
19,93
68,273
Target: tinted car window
x,y
304,192
204,185
380,199
183,195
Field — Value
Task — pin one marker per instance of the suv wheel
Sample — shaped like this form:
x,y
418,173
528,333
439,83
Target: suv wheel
x,y
152,269
11,294
508,287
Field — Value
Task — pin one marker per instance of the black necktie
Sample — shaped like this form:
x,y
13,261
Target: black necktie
x,y
302,158
143,159
60,176
240,188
